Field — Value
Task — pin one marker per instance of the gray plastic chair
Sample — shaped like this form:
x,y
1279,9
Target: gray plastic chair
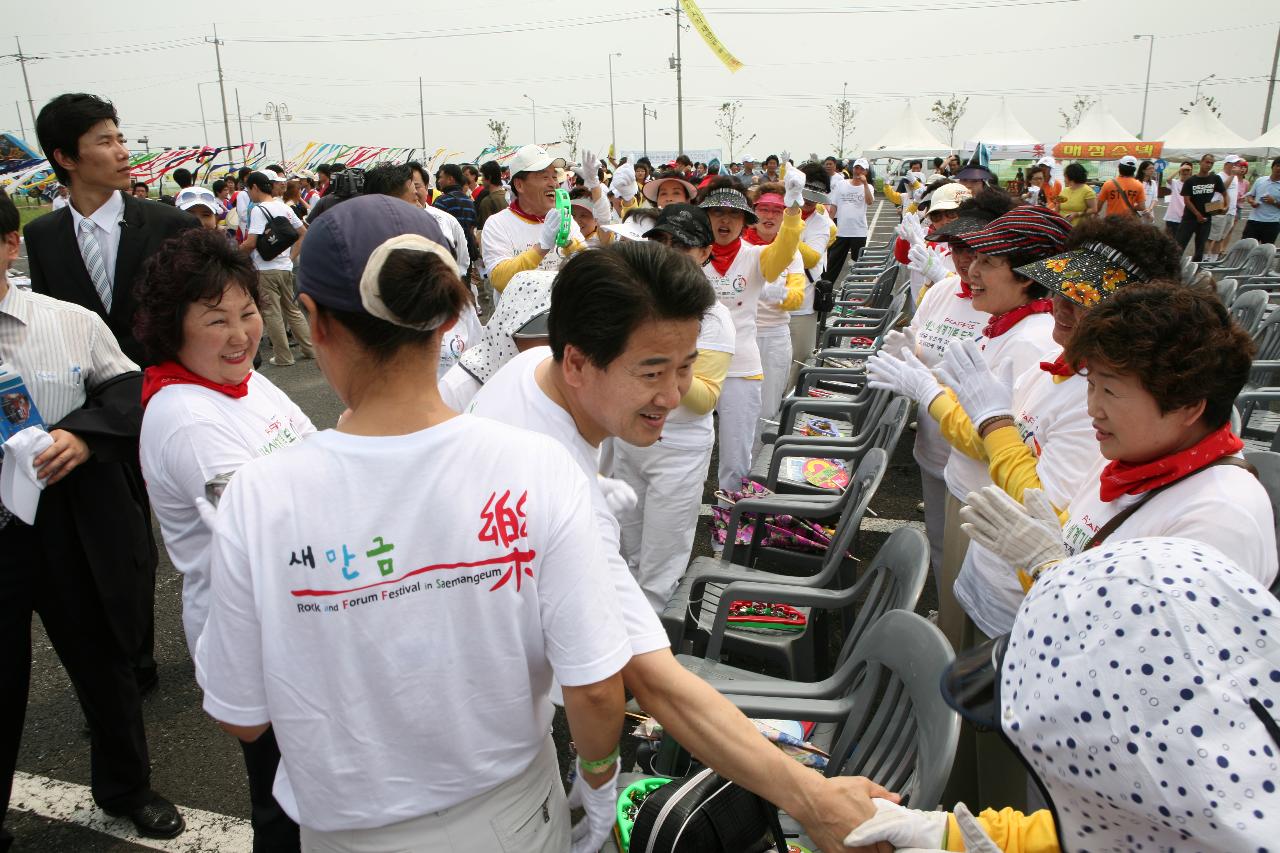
x,y
1234,258
1247,310
1268,465
1227,291
893,580
886,719
706,577
1257,262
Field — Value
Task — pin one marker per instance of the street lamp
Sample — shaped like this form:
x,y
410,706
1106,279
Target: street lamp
x,y
279,112
613,125
1151,49
533,108
1198,82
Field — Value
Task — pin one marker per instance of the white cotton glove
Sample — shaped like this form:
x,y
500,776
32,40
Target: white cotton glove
x,y
901,827
975,837
793,187
906,375
618,496
911,230
601,806
1026,535
895,342
774,293
590,170
624,182
927,261
550,228
982,394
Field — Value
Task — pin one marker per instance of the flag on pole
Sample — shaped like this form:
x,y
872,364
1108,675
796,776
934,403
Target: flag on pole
x,y
700,24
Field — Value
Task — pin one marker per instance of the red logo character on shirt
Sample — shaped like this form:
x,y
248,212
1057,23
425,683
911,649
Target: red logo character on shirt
x,y
504,525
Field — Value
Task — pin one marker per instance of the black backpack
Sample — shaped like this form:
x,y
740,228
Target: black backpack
x,y
705,813
278,235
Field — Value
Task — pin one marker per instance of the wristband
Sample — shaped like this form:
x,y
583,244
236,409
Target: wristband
x,y
989,421
600,765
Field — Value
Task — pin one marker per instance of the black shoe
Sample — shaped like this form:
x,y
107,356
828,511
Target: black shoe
x,y
156,818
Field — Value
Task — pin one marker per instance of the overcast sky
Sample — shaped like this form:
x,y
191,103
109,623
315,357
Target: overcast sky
x,y
478,60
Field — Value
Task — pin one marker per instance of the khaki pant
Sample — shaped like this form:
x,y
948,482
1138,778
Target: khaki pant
x,y
804,338
529,814
951,616
275,290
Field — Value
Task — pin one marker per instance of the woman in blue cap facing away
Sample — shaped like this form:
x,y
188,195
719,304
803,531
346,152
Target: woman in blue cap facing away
x,y
395,605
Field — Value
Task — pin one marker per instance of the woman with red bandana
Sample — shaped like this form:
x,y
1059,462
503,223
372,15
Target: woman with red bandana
x,y
1163,364
945,315
207,412
742,274
773,322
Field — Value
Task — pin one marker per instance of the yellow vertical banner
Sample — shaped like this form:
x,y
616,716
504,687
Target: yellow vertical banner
x,y
700,24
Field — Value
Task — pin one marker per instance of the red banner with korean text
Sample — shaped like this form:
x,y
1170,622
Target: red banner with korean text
x,y
1107,150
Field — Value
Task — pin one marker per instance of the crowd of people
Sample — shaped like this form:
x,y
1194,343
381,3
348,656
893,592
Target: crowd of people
x,y
504,508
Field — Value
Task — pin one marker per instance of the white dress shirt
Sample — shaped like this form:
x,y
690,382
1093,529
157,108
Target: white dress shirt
x,y
61,351
107,219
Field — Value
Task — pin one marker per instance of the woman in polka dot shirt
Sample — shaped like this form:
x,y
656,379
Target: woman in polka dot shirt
x,y
1139,684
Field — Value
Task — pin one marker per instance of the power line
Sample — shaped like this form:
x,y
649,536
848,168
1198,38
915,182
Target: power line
x,y
865,10
426,35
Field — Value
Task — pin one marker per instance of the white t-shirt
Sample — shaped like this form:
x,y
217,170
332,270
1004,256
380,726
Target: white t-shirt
x,y
513,397
452,228
401,636
685,429
60,202
816,235
771,320
466,332
191,434
1232,197
1223,506
1052,419
739,291
850,202
1173,210
506,235
259,214
941,318
458,388
1007,355
1151,190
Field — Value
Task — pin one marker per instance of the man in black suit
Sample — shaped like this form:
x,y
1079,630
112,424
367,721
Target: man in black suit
x,y
90,253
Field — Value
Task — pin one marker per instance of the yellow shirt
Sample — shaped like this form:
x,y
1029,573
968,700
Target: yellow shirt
x,y
1075,200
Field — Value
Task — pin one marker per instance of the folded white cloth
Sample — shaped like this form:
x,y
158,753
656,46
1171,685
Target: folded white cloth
x,y
19,487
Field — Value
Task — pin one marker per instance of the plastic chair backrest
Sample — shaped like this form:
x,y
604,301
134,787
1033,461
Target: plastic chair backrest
x,y
900,732
892,580
1259,260
1267,338
1227,290
1189,270
1268,465
1239,250
891,425
1247,310
861,489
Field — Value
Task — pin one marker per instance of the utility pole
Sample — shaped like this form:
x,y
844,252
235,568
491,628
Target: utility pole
x,y
1271,85
422,119
613,124
678,65
279,112
222,89
203,124
1151,49
22,128
23,59
644,126
240,125
533,111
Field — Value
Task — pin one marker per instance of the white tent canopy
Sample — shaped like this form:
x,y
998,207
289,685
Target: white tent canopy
x,y
909,137
1003,128
1201,132
1268,142
1098,125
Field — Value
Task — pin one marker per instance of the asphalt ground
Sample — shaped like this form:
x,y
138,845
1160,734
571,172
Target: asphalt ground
x,y
193,762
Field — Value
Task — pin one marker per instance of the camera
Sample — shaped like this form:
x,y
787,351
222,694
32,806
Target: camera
x,y
348,183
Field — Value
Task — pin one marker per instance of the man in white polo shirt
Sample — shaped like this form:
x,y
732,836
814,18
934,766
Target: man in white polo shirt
x,y
523,237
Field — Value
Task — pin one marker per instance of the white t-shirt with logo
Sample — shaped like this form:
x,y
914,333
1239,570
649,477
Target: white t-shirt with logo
x,y
513,397
941,318
397,606
686,429
505,235
1007,355
454,343
1223,506
771,320
739,291
850,202
258,216
816,235
191,434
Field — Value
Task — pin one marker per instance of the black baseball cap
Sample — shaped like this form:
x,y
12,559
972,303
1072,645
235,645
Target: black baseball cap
x,y
686,224
340,242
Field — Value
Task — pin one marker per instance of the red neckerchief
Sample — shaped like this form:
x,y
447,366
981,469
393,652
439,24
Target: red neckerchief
x,y
515,208
805,216
752,236
1124,478
171,373
722,256
965,292
1058,367
1001,323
